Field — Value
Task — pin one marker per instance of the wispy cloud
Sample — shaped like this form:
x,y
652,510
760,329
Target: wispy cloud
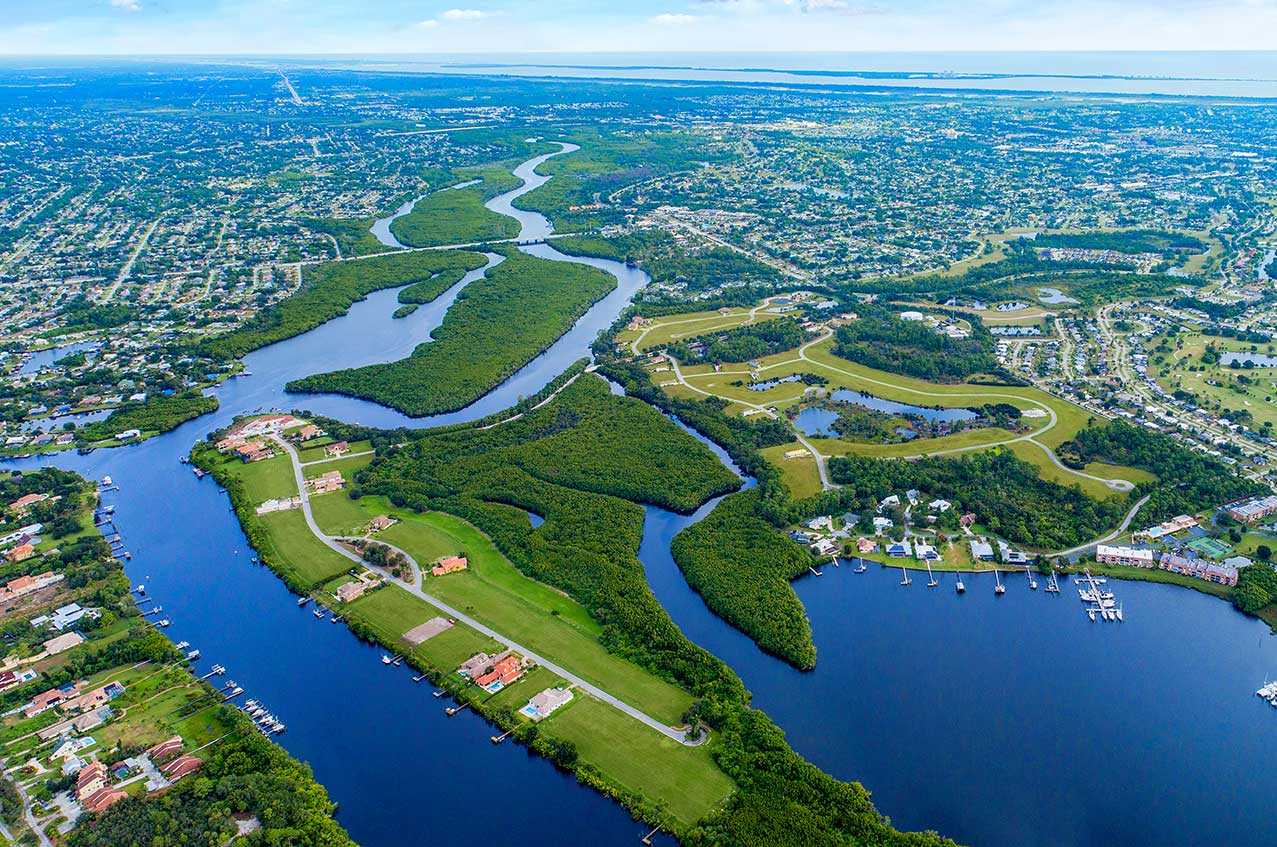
x,y
126,5
463,14
674,19
429,23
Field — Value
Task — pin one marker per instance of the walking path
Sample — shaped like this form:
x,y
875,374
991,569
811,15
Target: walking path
x,y
414,588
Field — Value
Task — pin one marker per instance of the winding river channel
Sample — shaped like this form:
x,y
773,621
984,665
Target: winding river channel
x,y
1001,722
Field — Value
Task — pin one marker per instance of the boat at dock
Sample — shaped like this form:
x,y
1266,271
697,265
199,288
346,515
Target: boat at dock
x,y
1033,583
319,613
960,587
193,655
998,589
906,580
863,567
385,660
302,601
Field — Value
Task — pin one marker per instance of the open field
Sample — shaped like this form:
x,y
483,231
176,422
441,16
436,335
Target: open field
x,y
392,612
296,550
1217,386
687,781
268,479
314,451
801,475
677,327
347,466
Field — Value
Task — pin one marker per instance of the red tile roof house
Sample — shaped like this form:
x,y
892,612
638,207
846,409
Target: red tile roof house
x,y
449,565
24,503
48,699
504,671
102,798
181,766
165,750
339,448
90,780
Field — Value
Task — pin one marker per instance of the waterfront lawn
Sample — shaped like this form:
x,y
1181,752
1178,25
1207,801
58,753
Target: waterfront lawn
x,y
269,479
392,611
516,696
291,547
684,780
801,476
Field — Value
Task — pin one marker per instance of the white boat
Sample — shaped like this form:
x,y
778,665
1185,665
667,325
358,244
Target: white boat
x,y
1091,613
906,580
1033,583
999,588
960,588
863,567
107,482
385,660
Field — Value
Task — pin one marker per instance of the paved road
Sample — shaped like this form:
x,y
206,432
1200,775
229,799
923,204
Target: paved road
x,y
1126,522
414,588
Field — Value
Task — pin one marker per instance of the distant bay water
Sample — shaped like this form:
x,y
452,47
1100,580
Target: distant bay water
x,y
1238,74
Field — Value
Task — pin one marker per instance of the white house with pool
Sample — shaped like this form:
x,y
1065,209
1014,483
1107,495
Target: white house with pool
x,y
544,704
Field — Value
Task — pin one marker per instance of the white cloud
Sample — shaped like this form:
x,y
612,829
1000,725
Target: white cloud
x,y
463,14
126,5
430,23
674,19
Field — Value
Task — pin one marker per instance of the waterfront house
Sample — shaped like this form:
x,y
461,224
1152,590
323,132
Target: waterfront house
x,y
1130,557
351,591
865,546
504,671
824,547
308,432
65,616
981,550
542,705
899,548
452,564
477,664
24,503
924,552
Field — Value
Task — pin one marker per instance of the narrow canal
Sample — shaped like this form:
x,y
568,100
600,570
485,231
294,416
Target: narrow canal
x,y
1002,722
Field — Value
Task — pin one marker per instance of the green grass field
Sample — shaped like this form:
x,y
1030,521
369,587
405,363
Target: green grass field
x,y
316,452
800,475
347,466
393,611
687,782
269,479
296,550
677,327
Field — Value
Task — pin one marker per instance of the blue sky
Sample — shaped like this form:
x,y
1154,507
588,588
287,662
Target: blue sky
x,y
420,26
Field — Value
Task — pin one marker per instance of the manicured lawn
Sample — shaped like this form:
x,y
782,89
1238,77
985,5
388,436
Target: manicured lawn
x,y
337,514
393,611
677,327
516,696
292,547
315,452
801,475
346,466
269,479
685,779
918,447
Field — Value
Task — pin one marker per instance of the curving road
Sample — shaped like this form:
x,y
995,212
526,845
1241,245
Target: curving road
x,y
1122,527
414,588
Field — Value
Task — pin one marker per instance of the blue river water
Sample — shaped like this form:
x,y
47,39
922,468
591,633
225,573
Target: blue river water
x,y
1001,722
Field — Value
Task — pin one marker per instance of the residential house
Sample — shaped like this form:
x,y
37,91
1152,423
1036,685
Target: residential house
x,y
381,522
504,671
1253,510
337,449
62,643
327,483
165,750
899,548
24,503
924,552
12,679
181,766
981,550
20,553
542,705
46,700
865,546
449,565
